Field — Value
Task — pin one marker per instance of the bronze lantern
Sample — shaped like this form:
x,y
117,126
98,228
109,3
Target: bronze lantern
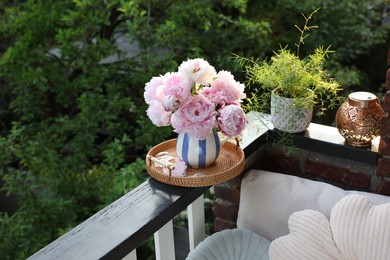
x,y
358,118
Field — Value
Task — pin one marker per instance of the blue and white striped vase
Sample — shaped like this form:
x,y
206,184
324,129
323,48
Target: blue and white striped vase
x,y
198,153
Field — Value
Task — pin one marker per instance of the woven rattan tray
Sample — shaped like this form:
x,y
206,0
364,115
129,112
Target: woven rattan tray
x,y
230,163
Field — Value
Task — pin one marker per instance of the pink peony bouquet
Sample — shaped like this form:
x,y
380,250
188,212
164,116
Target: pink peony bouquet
x,y
196,99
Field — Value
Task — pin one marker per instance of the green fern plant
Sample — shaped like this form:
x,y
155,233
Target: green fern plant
x,y
292,76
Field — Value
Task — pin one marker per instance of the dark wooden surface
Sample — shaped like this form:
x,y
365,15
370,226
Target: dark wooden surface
x,y
117,229
364,155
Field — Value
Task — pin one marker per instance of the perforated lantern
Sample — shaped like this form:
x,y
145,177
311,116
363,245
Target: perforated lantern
x,y
358,118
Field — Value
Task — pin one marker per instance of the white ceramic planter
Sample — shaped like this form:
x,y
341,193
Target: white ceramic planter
x,y
288,117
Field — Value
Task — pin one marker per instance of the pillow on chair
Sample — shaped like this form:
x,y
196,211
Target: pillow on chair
x,y
268,199
357,230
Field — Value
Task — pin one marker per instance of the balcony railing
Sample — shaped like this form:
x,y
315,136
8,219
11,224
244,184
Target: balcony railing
x,y
117,230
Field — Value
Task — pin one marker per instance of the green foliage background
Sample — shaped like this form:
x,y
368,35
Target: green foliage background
x,y
73,126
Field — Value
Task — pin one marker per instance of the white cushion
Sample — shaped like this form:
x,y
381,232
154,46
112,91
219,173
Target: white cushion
x,y
310,235
357,229
268,199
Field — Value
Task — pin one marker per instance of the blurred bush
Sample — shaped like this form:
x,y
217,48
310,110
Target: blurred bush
x,y
73,126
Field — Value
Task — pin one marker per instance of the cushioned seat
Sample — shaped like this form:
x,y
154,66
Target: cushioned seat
x,y
268,199
232,244
300,219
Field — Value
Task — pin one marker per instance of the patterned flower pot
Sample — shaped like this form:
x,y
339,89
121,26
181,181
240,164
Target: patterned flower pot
x,y
198,153
288,116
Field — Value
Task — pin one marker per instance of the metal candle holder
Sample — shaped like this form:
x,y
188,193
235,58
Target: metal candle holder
x,y
358,118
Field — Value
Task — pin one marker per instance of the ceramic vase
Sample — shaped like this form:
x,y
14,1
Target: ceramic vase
x,y
198,153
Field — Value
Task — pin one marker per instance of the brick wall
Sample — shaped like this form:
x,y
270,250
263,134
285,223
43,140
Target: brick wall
x,y
343,173
383,168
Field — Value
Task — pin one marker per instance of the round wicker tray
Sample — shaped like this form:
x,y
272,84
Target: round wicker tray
x,y
230,163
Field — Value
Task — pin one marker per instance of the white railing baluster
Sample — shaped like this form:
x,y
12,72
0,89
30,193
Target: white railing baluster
x,y
164,242
131,256
196,222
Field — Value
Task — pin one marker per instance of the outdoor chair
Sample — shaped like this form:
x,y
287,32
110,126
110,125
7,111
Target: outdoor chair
x,y
289,217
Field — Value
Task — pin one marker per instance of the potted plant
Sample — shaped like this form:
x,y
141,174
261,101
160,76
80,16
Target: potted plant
x,y
293,85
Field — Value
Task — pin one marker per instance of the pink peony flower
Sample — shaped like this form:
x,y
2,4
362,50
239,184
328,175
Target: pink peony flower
x,y
154,90
178,85
158,115
232,120
164,94
198,70
224,90
197,118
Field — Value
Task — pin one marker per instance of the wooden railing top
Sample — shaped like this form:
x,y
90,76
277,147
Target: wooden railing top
x,y
119,228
